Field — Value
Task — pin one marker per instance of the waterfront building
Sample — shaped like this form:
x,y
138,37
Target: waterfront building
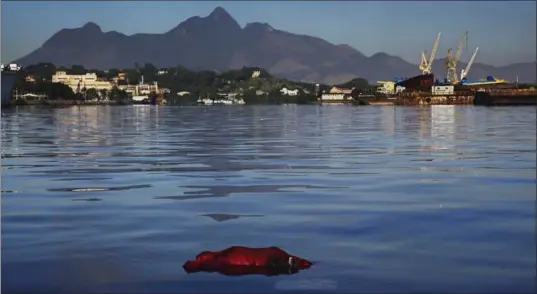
x,y
79,82
336,94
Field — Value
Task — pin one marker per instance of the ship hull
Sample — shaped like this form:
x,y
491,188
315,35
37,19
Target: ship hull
x,y
506,97
418,83
8,81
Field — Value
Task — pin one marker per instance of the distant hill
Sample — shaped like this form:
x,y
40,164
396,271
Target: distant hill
x,y
217,42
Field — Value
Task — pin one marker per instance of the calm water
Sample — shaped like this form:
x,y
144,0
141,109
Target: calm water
x,y
383,199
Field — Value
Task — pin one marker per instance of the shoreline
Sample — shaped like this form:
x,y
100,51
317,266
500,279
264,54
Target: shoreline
x,y
379,104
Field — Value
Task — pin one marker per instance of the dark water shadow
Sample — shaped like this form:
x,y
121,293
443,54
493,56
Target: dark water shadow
x,y
223,191
87,199
99,189
9,191
231,270
222,217
82,179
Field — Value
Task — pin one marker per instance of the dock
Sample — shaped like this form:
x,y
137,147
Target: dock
x,y
506,97
490,97
409,99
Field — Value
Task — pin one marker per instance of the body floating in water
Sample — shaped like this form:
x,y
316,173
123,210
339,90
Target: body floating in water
x,y
238,261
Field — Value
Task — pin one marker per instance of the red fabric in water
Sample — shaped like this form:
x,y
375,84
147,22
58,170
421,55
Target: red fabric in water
x,y
239,260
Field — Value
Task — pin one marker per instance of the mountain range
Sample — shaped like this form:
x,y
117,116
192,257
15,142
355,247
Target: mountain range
x,y
217,42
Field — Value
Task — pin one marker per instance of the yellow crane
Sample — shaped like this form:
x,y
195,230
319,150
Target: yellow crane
x,y
451,61
427,65
423,63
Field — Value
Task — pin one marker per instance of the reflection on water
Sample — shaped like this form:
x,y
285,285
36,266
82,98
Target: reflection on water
x,y
222,217
443,126
383,198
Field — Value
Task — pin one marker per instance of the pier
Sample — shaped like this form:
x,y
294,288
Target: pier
x,y
506,97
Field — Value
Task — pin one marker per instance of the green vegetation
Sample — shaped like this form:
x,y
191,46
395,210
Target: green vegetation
x,y
358,83
42,74
361,86
263,89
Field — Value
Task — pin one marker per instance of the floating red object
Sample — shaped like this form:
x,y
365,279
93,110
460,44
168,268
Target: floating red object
x,y
238,261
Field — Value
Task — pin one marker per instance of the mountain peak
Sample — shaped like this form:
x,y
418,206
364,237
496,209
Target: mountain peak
x,y
217,41
220,13
92,26
218,19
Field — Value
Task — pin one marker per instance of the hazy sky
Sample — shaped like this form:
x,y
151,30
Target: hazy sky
x,y
505,31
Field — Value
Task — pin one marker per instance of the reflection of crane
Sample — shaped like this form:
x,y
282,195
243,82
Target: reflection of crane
x,y
451,61
426,66
465,71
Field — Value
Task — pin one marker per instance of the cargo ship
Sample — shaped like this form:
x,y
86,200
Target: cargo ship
x,y
420,90
9,75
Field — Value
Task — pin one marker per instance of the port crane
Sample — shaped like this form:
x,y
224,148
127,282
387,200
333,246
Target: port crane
x,y
452,60
427,65
465,71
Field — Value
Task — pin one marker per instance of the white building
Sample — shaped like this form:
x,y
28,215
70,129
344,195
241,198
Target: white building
x,y
140,89
78,82
288,92
11,67
336,94
443,90
333,97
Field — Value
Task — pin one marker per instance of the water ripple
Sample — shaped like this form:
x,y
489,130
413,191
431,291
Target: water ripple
x,y
384,199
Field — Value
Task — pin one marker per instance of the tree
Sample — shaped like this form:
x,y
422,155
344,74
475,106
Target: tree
x,y
78,70
133,76
359,83
149,72
112,73
55,90
41,71
103,94
117,94
100,73
91,94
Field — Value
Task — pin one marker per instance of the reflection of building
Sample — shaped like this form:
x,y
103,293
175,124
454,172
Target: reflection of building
x,y
79,82
10,131
388,120
83,123
425,123
443,125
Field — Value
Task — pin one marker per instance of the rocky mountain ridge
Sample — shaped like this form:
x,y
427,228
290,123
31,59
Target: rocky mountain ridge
x,y
217,42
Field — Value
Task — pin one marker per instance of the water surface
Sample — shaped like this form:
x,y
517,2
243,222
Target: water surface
x,y
117,198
